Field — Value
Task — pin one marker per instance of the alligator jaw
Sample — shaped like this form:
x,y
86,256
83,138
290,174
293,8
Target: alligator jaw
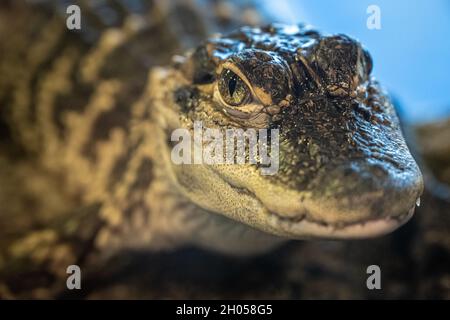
x,y
358,230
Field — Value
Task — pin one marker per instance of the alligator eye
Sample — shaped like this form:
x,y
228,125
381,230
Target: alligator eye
x,y
232,89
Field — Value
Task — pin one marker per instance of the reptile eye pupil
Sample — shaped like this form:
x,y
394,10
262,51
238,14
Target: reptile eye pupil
x,y
232,88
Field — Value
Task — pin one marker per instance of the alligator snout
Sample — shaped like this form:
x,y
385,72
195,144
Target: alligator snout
x,y
365,190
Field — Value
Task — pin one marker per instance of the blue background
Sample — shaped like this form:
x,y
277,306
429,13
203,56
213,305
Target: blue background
x,y
411,51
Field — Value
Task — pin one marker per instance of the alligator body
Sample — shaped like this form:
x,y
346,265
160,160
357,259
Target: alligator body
x,y
87,118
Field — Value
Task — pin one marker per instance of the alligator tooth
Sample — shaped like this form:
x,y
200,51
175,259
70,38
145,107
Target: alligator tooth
x,y
418,202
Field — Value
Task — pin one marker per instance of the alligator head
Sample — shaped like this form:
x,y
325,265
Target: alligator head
x,y
345,170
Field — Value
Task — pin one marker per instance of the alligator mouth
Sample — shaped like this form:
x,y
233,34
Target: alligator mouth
x,y
303,226
371,228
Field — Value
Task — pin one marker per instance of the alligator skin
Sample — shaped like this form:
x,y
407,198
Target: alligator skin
x,y
67,103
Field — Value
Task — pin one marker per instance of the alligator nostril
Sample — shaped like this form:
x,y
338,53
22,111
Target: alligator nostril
x,y
378,171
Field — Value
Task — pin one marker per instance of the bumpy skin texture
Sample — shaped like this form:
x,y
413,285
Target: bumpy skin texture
x,y
92,138
345,170
80,175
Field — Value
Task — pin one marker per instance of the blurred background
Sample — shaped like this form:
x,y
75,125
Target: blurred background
x,y
411,51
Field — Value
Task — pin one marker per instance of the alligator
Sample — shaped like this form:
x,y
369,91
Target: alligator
x,y
87,117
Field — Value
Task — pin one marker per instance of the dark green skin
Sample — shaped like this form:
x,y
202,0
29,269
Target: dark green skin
x,y
43,226
341,143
